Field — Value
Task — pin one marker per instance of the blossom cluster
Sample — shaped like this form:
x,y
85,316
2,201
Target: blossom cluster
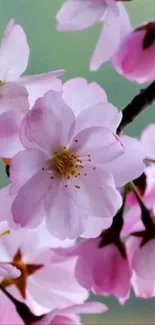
x,y
73,175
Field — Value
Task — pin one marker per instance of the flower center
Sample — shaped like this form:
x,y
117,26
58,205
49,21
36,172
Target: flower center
x,y
64,163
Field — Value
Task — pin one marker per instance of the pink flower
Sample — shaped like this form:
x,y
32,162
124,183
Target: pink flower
x,y
69,315
77,15
80,96
135,57
66,165
102,265
14,55
42,285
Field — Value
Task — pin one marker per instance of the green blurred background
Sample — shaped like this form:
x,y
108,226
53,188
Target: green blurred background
x,y
52,50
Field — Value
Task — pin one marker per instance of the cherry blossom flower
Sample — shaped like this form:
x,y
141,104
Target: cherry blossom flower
x,y
76,15
14,55
102,265
135,57
66,169
42,285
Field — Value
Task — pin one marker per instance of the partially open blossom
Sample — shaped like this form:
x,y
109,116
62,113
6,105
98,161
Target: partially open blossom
x,y
42,285
103,269
135,58
76,15
67,170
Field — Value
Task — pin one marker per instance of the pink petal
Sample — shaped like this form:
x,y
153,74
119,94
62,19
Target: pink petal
x,y
38,85
59,288
94,226
144,261
132,221
112,274
9,271
129,165
79,94
13,98
97,193
87,308
48,111
78,15
108,42
24,166
64,216
9,135
143,288
102,114
98,142
115,28
14,53
124,20
147,140
28,205
5,212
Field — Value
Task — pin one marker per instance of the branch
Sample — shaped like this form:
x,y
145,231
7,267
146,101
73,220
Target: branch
x,y
137,105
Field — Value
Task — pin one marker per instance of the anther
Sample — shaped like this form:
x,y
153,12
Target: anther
x,y
94,168
76,140
43,168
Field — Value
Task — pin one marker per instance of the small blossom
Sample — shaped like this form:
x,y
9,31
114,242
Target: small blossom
x,y
135,58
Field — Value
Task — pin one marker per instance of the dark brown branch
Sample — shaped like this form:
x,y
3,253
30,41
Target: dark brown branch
x,y
137,105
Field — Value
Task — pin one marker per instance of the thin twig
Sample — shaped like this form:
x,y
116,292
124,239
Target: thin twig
x,y
137,105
